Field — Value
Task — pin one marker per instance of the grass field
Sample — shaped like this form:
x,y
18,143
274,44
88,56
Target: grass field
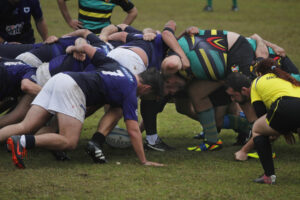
x,y
209,175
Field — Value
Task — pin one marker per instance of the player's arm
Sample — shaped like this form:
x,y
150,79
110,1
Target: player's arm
x,y
82,48
73,23
42,28
258,104
120,36
171,41
29,87
79,33
136,140
192,30
261,48
277,49
131,15
109,30
109,120
18,113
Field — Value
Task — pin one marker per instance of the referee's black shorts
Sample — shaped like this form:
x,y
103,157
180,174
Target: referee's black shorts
x,y
284,114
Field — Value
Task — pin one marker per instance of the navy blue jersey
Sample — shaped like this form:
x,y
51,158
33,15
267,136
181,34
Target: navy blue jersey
x,y
65,63
13,50
155,49
48,51
94,40
130,29
109,84
12,72
15,20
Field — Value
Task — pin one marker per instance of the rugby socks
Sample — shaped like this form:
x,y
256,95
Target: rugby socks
x,y
99,138
264,150
237,123
27,141
234,3
207,120
149,114
209,3
151,138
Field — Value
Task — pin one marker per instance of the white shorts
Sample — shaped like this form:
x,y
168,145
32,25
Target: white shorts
x,y
30,59
61,94
128,59
43,74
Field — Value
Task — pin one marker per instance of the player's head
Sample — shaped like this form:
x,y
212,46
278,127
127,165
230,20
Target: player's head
x,y
173,84
238,87
152,82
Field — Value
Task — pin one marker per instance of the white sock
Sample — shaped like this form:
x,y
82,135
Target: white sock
x,y
23,141
151,138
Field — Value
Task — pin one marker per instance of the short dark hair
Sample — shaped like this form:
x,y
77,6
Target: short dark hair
x,y
154,78
237,80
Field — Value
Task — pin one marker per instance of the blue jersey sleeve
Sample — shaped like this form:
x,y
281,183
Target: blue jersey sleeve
x,y
130,29
130,107
133,36
31,75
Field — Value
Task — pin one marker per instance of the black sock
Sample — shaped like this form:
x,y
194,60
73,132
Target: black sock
x,y
30,141
98,138
149,115
264,150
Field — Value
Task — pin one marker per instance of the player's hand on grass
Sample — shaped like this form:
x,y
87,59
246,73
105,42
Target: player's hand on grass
x,y
149,163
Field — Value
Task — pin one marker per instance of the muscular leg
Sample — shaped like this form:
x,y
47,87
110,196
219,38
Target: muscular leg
x,y
262,144
18,113
184,106
35,119
68,137
198,92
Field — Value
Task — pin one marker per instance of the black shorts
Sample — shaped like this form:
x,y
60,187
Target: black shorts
x,y
219,97
284,114
240,58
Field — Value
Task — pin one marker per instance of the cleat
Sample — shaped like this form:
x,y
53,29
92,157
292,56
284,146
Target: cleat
x,y
200,136
205,146
60,155
266,179
158,146
256,156
18,152
208,9
235,8
95,151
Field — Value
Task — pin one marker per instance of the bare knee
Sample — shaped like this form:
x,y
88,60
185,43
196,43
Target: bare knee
x,y
69,144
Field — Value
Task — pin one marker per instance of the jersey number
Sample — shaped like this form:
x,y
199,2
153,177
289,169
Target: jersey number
x,y
115,73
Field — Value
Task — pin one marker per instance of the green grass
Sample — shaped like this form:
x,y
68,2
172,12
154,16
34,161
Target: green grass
x,y
188,175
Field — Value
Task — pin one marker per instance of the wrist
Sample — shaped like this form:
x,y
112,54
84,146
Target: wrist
x,y
144,162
